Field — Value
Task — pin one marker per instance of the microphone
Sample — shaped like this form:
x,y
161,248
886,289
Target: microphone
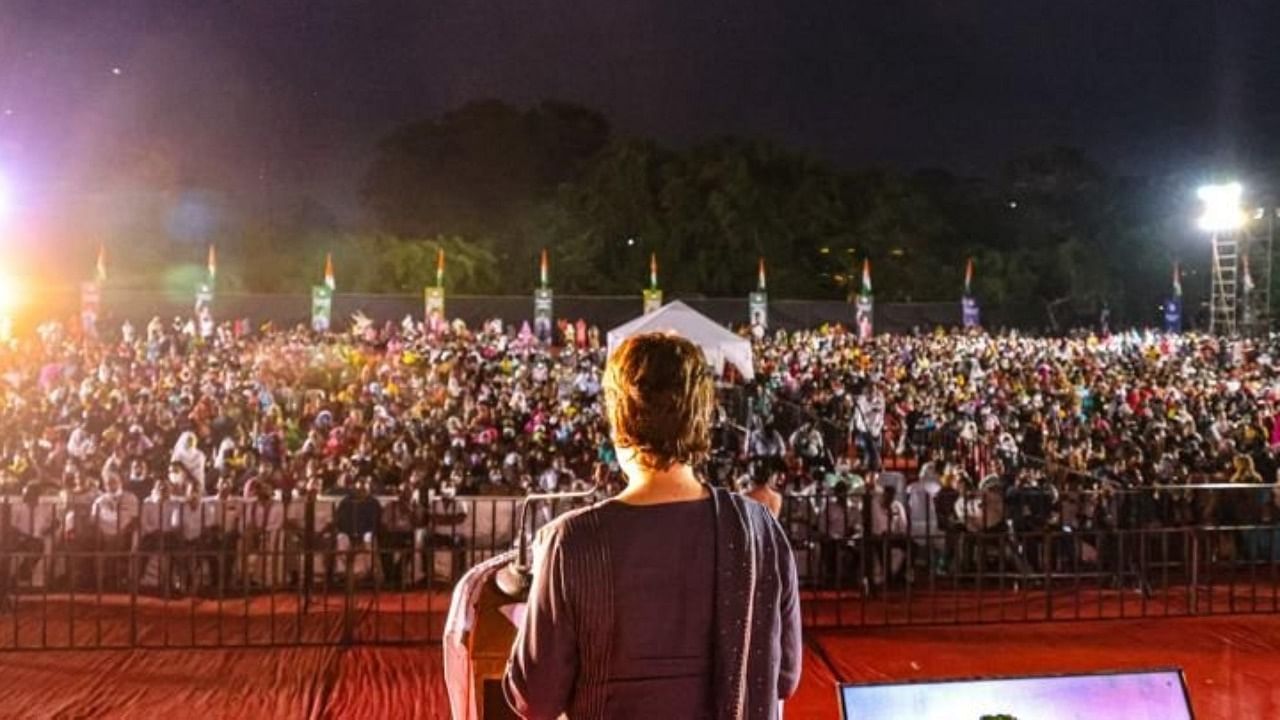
x,y
514,579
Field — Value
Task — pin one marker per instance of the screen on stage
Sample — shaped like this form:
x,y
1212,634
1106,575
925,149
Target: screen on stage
x,y
1143,695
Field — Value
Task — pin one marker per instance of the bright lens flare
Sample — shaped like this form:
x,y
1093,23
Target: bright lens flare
x,y
10,294
1222,212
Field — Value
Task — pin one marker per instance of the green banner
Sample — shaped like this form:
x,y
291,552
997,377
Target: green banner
x,y
321,307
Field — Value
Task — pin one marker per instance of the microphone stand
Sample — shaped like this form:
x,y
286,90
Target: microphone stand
x,y
513,580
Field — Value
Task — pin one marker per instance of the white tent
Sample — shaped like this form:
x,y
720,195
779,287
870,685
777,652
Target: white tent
x,y
717,343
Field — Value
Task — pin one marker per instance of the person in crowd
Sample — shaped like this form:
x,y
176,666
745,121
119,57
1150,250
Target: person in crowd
x,y
924,524
839,521
220,526
140,481
487,411
593,644
807,443
23,533
888,535
766,447
357,520
261,526
109,532
868,425
396,535
762,491
946,506
190,460
160,538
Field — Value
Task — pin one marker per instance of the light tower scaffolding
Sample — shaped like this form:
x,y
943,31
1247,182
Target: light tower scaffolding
x,y
1256,261
1240,274
1224,290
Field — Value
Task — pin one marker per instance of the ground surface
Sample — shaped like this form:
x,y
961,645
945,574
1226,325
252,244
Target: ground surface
x,y
1230,663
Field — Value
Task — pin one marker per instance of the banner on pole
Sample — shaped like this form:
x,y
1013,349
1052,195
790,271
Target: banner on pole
x,y
321,307
204,298
1173,314
90,300
970,313
433,306
865,315
758,309
543,315
652,300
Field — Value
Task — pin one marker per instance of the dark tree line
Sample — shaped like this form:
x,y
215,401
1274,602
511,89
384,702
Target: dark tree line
x,y
1054,237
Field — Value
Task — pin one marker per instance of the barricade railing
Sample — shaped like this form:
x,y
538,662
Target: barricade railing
x,y
233,573
230,572
990,556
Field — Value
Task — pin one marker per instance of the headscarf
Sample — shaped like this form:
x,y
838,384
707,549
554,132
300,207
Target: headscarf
x,y
188,454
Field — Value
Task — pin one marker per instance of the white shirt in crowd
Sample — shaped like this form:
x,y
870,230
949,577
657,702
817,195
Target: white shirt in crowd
x,y
114,512
191,518
891,520
223,514
160,515
920,494
80,444
870,415
763,442
33,521
549,480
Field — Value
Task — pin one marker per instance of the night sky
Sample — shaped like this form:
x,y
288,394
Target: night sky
x,y
270,98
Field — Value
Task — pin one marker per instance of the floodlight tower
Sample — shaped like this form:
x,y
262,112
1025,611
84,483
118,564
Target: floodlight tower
x,y
1222,218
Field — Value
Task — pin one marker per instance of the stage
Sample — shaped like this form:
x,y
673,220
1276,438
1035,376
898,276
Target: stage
x,y
1230,663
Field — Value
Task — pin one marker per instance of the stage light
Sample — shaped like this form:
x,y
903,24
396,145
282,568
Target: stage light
x,y
4,198
1222,211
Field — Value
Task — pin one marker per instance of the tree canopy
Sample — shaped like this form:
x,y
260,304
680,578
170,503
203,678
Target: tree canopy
x,y
1052,235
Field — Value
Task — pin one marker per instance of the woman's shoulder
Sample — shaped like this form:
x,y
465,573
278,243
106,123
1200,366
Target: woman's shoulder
x,y
756,514
574,523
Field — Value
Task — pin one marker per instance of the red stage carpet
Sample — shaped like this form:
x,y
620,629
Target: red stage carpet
x,y
177,684
1231,665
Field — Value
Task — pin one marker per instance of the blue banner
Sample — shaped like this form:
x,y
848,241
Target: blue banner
x,y
970,313
1173,314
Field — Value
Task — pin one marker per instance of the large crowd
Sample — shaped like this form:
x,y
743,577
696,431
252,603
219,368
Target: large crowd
x,y
1047,431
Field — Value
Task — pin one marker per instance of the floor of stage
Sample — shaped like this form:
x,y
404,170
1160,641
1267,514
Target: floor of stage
x,y
1230,663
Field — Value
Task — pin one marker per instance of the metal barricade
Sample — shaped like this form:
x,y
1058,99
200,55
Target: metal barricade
x,y
322,571
230,572
995,557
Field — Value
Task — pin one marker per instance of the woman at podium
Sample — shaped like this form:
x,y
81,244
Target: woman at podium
x,y
673,599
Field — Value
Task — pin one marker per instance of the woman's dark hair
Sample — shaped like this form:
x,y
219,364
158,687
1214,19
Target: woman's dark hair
x,y
659,398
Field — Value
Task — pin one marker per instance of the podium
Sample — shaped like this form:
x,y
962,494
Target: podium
x,y
478,635
489,644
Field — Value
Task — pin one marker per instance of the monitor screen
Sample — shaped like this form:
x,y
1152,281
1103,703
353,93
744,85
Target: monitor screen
x,y
1142,695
